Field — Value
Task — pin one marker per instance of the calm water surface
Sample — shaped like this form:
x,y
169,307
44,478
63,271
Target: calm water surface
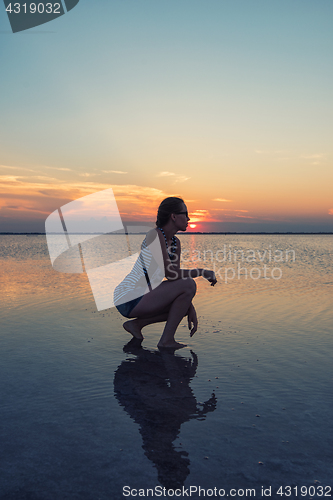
x,y
253,385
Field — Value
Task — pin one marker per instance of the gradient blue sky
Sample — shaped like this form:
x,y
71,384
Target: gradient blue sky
x,y
218,100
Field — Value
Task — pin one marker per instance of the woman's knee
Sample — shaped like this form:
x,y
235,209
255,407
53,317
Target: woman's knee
x,y
190,286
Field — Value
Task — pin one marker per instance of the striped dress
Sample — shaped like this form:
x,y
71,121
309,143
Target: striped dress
x,y
145,276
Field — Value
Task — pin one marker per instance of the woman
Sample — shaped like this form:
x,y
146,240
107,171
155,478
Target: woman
x,y
171,300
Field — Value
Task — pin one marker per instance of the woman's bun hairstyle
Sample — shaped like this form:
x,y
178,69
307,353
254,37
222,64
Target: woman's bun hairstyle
x,y
169,206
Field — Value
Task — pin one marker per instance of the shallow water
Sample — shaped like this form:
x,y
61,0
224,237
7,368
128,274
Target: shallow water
x,y
247,404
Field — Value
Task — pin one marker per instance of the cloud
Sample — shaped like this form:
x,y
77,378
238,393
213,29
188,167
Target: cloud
x,y
182,178
43,195
179,178
330,212
313,157
60,169
268,152
40,178
244,216
230,214
229,210
165,174
318,158
200,215
114,172
87,174
20,168
221,199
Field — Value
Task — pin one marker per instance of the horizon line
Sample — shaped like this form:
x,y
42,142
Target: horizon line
x,y
189,233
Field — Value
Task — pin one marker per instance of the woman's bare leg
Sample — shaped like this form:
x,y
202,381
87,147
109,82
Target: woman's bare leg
x,y
168,302
177,311
134,326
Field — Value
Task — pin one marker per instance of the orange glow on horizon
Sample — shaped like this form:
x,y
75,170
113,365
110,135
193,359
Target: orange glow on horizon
x,y
33,196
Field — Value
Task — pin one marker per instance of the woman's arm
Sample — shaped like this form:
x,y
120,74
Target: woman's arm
x,y
194,273
192,320
173,270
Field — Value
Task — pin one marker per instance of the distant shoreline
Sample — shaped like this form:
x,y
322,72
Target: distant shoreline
x,y
262,233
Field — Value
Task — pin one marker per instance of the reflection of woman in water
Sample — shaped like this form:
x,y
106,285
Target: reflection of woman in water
x,y
171,300
154,389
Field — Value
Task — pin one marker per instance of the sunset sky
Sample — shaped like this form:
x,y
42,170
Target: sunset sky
x,y
227,103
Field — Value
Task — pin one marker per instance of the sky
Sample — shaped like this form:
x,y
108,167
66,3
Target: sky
x,y
226,103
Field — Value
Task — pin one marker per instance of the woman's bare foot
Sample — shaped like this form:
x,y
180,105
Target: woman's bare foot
x,y
133,346
134,328
171,345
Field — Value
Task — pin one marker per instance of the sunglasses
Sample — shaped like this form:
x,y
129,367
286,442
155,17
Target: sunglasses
x,y
182,213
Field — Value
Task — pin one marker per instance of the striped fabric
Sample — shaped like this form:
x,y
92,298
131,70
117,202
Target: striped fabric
x,y
135,284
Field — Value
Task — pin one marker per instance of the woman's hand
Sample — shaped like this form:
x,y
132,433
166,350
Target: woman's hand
x,y
210,276
192,319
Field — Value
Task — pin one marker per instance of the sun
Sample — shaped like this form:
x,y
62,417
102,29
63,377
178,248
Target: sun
x,y
193,226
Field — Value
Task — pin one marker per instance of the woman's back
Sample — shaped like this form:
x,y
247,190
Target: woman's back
x,y
146,274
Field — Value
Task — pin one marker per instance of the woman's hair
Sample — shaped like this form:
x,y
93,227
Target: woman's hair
x,y
169,206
